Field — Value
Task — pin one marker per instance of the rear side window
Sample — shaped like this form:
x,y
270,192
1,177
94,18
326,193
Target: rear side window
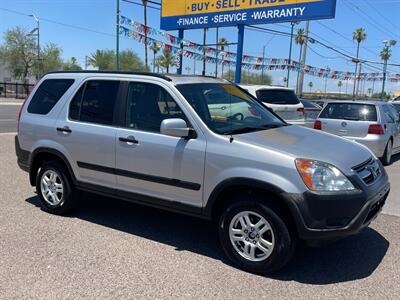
x,y
48,94
95,102
349,111
282,97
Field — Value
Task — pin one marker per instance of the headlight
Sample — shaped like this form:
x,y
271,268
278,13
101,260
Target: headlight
x,y
319,176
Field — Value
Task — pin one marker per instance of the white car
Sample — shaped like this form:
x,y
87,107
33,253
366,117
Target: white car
x,y
283,101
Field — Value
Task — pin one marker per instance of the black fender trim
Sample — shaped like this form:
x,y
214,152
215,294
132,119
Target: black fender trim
x,y
237,181
41,150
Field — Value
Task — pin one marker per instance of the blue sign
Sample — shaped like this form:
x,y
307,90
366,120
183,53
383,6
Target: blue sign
x,y
189,14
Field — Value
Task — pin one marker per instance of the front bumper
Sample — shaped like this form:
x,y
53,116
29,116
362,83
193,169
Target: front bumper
x,y
327,216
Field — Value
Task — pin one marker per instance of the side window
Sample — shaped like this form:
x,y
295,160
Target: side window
x,y
148,105
388,114
395,114
48,94
95,102
75,106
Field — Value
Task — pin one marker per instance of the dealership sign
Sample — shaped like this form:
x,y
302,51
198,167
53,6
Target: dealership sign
x,y
188,14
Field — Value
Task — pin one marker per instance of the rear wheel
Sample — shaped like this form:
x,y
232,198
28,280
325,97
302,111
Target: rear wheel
x,y
387,156
54,188
255,238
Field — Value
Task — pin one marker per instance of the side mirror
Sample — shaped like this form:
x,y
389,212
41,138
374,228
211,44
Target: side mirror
x,y
175,127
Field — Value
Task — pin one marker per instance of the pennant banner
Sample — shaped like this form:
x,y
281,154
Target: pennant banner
x,y
213,55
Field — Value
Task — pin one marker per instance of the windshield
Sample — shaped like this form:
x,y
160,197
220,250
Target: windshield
x,y
228,110
349,111
283,97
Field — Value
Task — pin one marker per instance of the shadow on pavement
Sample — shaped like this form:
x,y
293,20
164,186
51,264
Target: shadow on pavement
x,y
395,158
346,260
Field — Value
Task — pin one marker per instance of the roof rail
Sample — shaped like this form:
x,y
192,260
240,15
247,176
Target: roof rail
x,y
112,72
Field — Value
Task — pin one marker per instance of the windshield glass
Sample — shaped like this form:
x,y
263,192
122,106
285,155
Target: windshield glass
x,y
349,111
228,110
283,97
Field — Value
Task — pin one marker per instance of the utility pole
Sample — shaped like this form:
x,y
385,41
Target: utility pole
x,y
117,39
385,54
216,53
290,53
263,64
327,71
204,51
303,61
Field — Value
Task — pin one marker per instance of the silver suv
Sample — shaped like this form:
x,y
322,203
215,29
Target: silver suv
x,y
375,124
156,140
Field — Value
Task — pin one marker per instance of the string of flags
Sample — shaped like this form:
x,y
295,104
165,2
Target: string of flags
x,y
189,49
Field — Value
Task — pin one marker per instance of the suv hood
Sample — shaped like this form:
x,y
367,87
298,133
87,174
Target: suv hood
x,y
300,142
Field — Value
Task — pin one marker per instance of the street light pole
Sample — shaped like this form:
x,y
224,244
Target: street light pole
x,y
38,43
204,51
117,39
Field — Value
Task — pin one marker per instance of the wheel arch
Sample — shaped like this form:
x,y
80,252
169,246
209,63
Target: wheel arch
x,y
44,154
219,197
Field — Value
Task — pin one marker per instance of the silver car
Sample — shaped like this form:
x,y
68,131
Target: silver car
x,y
374,124
162,141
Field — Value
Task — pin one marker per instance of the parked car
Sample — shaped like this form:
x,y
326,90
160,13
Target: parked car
x,y
374,124
396,105
311,112
155,140
283,101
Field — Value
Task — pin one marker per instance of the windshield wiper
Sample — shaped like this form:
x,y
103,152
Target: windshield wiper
x,y
252,129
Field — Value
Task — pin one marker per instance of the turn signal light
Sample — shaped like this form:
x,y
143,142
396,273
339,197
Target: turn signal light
x,y
376,129
318,125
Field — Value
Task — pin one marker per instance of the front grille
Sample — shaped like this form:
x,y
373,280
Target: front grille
x,y
368,171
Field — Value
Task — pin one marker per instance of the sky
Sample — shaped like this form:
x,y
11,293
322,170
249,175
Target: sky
x,y
80,27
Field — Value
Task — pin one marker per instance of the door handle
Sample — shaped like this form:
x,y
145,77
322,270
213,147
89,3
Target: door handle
x,y
129,139
64,129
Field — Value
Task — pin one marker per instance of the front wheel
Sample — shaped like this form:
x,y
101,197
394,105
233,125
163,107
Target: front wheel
x,y
387,156
255,238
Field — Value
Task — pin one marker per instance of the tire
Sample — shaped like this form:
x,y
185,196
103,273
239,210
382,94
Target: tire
x,y
281,242
53,176
387,156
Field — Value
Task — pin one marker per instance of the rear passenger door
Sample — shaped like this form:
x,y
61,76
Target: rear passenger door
x,y
87,131
156,165
392,124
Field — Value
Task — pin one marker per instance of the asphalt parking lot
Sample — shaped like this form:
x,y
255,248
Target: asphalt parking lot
x,y
112,249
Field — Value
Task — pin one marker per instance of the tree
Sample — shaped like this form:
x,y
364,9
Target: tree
x,y
300,40
19,52
155,47
72,65
50,59
145,32
340,84
130,61
310,85
359,35
222,43
103,59
167,60
251,78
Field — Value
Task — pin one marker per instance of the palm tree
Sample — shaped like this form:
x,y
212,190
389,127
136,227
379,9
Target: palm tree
x,y
222,43
102,59
167,59
359,36
155,48
310,85
145,32
300,40
340,84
